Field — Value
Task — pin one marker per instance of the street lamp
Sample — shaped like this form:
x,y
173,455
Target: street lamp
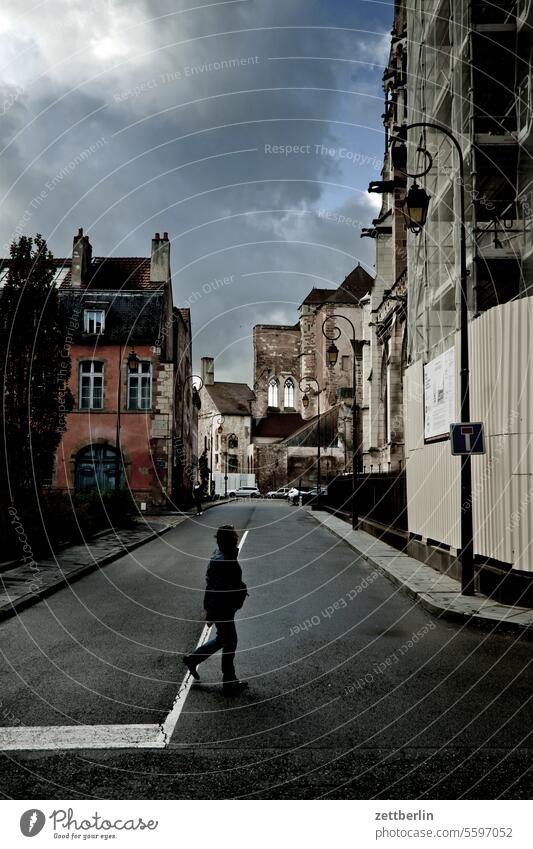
x,y
133,361
221,420
332,357
417,207
133,365
305,404
195,394
229,438
196,401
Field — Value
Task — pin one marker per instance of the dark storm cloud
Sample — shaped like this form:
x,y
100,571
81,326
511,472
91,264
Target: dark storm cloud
x,y
247,130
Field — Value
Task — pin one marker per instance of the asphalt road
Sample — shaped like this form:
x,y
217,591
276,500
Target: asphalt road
x,y
354,690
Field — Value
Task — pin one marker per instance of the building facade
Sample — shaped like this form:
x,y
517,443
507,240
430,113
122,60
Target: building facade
x,y
290,362
224,423
128,348
385,324
465,66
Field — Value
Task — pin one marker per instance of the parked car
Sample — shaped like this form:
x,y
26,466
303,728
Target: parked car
x,y
314,496
245,492
282,492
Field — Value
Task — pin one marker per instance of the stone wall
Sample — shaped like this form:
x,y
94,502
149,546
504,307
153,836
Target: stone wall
x,y
276,349
270,466
161,431
277,465
185,414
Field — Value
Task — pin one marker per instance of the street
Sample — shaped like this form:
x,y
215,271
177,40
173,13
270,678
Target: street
x,y
355,691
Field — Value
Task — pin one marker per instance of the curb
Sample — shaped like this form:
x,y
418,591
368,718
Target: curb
x,y
192,514
11,609
484,621
8,565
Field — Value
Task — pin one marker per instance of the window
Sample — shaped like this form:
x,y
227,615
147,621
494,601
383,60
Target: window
x,y
140,387
91,383
93,321
345,363
288,399
273,392
233,465
233,441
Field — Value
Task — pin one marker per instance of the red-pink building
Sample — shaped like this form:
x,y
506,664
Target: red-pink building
x,y
130,351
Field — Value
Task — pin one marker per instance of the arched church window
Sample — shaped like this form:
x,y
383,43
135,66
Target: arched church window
x,y
288,397
273,392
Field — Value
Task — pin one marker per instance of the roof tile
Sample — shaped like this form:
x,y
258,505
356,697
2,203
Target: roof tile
x,y
231,399
277,425
318,296
130,273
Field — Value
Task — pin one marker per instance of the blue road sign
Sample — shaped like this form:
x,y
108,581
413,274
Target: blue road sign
x,y
467,438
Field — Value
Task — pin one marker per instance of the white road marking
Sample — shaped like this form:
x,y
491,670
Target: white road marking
x,y
169,724
56,737
82,737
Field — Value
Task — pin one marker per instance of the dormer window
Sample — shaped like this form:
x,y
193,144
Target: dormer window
x,y
93,321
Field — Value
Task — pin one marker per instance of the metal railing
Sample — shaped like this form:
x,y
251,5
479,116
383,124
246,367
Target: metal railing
x,y
382,498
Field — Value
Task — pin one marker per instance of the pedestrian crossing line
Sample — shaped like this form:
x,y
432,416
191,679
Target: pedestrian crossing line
x,y
56,737
168,726
62,737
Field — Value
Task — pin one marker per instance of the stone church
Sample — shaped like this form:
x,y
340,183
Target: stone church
x,y
297,392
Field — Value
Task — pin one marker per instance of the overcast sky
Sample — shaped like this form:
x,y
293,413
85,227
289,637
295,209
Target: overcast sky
x,y
186,111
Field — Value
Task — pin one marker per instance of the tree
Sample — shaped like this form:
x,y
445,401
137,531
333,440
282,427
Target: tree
x,y
34,370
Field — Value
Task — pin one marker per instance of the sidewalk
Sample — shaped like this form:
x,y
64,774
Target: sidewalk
x,y
434,591
23,585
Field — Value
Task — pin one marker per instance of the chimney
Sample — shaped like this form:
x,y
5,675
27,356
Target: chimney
x,y
208,371
160,259
81,259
